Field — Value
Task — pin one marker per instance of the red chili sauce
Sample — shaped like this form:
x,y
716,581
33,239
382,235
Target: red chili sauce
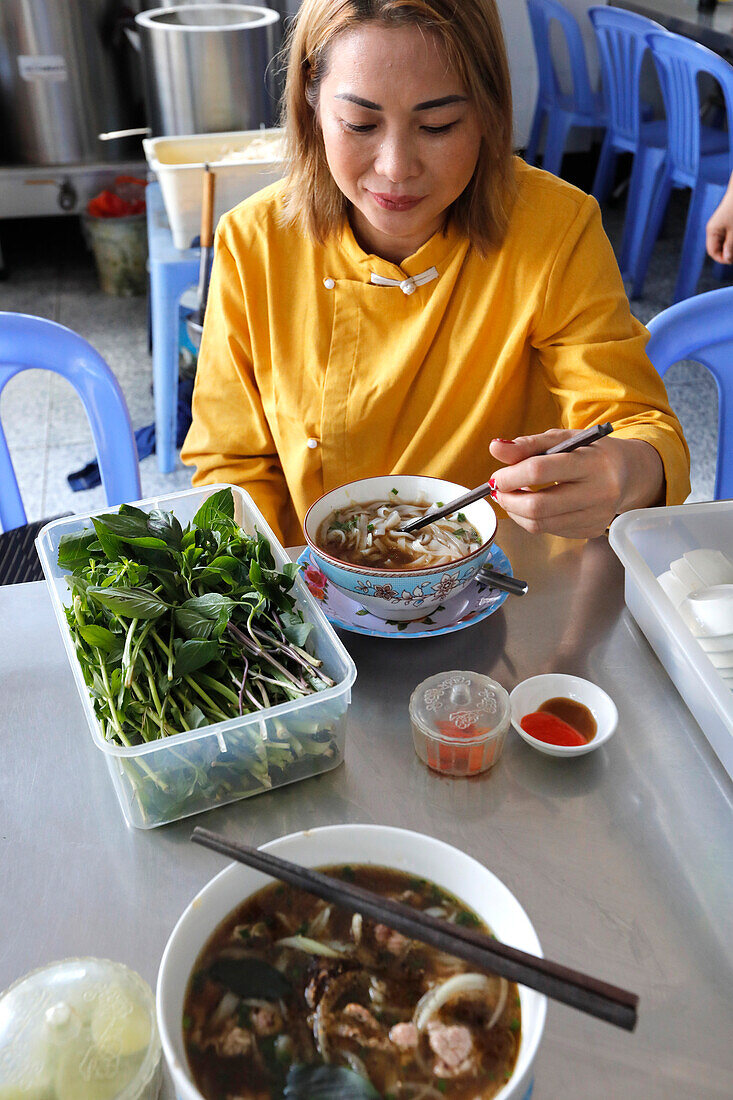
x,y
561,721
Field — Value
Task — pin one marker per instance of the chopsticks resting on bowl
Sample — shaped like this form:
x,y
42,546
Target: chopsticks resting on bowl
x,y
587,994
582,439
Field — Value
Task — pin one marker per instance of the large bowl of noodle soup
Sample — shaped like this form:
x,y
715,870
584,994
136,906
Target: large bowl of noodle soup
x,y
419,856
353,533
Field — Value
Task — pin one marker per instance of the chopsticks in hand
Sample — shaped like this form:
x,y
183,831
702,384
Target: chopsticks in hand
x,y
587,994
582,439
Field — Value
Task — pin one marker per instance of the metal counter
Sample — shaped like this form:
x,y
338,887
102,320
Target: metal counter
x,y
622,858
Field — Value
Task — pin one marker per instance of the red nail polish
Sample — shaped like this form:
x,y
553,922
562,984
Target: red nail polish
x,y
492,484
492,494
502,441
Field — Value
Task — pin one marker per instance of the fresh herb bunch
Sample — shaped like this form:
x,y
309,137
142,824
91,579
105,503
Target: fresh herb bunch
x,y
178,628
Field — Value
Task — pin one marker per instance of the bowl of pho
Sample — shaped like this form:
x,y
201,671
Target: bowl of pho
x,y
265,990
355,537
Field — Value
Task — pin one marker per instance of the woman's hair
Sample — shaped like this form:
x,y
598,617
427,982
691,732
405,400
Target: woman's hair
x,y
470,33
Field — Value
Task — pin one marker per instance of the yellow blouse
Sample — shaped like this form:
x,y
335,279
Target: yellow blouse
x,y
311,375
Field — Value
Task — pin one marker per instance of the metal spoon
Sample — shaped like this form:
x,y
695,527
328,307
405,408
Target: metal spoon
x,y
582,439
487,577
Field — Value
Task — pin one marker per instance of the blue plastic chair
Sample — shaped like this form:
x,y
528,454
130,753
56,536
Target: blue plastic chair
x,y
679,63
702,329
581,107
622,46
33,343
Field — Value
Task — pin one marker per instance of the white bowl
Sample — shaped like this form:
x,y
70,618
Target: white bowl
x,y
379,844
532,693
402,594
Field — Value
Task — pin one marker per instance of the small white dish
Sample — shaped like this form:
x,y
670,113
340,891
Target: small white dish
x,y
530,694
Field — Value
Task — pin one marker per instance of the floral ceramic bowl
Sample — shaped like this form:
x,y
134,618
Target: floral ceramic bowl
x,y
400,594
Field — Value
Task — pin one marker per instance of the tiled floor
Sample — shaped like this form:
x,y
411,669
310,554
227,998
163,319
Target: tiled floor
x,y
50,274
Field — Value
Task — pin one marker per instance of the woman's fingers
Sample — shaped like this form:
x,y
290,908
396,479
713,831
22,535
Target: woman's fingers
x,y
542,470
568,510
511,451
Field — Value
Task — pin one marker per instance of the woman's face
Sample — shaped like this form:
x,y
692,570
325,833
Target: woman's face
x,y
401,137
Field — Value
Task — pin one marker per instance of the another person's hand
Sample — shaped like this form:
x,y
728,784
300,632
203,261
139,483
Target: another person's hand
x,y
581,491
719,231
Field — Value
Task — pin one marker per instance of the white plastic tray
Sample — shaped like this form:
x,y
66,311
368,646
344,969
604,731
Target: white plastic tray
x,y
647,541
178,163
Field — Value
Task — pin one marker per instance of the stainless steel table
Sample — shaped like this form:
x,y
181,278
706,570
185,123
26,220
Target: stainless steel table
x,y
623,858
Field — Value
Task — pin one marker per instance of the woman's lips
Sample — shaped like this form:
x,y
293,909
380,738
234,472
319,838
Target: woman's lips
x,y
396,202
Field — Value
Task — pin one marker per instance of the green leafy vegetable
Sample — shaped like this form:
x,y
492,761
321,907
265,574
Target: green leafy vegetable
x,y
250,978
176,629
327,1082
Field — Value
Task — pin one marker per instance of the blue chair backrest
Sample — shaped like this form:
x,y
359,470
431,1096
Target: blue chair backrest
x,y
622,44
701,328
679,62
541,14
33,343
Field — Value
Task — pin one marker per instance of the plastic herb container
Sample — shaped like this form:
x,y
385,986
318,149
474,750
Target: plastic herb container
x,y
177,776
459,722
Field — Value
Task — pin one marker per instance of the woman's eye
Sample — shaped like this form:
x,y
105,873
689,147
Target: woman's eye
x,y
364,129
439,129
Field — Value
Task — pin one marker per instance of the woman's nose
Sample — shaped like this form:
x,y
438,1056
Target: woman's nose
x,y
397,159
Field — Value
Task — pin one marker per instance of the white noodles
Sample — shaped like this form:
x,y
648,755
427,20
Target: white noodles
x,y
370,534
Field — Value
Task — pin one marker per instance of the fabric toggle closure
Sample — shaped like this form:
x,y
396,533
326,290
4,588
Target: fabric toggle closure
x,y
409,285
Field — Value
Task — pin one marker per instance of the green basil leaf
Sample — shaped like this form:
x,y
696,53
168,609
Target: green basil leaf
x,y
164,525
99,637
295,629
127,523
194,625
250,978
149,542
196,718
209,605
327,1082
194,654
110,543
216,511
74,550
131,603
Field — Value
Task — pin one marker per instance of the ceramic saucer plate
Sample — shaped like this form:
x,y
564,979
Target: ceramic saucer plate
x,y
469,606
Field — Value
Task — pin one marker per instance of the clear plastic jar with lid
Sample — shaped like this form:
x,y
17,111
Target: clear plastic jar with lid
x,y
459,722
79,1029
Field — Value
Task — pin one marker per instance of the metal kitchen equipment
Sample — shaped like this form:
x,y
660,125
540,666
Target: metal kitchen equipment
x,y
207,67
61,80
65,75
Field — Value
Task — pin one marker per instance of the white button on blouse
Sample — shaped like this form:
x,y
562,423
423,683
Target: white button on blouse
x,y
329,284
312,444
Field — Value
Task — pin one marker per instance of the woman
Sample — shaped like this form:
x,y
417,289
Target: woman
x,y
413,299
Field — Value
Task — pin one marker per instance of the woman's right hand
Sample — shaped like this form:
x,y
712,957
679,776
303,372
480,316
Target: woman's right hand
x,y
719,232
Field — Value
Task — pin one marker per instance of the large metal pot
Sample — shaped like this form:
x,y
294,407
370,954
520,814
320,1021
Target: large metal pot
x,y
61,80
206,67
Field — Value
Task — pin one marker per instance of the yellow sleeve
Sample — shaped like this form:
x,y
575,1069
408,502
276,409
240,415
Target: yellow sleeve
x,y
229,439
593,355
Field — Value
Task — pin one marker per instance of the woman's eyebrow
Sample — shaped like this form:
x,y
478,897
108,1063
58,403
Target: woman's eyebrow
x,y
428,105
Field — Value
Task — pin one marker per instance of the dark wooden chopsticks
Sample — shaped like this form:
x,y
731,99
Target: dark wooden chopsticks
x,y
587,994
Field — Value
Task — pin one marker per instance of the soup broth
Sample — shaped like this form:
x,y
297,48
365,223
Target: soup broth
x,y
290,986
370,534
